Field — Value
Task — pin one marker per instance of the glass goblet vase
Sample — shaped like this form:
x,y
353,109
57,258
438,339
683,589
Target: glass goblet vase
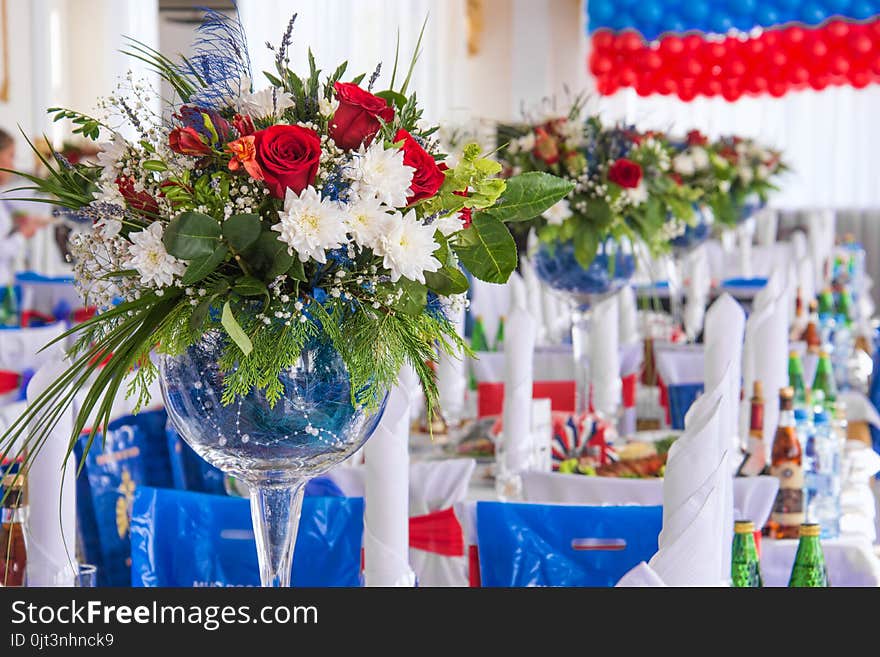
x,y
557,267
274,449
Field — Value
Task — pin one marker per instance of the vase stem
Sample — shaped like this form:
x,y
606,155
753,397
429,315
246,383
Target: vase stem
x,y
580,335
275,512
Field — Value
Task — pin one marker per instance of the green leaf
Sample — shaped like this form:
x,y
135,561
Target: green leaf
x,y
393,98
241,230
414,298
200,315
199,268
155,165
528,195
599,213
268,257
296,270
487,249
586,245
248,286
234,330
192,235
447,280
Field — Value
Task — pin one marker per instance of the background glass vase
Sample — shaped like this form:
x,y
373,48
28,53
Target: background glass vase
x,y
750,206
274,449
612,267
311,428
694,235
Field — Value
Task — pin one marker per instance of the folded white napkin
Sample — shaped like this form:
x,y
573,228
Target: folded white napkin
x,y
799,245
51,530
386,517
723,339
767,221
604,356
679,363
745,233
452,373
700,284
534,300
628,319
641,575
519,346
765,358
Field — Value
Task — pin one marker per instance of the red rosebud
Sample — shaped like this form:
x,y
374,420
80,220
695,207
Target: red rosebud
x,y
356,120
677,178
626,173
244,125
697,138
546,146
188,142
465,214
288,156
428,178
138,201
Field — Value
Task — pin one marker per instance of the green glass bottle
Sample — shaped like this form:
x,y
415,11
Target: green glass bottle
x,y
796,379
745,569
9,308
824,381
809,563
845,306
499,335
826,302
478,336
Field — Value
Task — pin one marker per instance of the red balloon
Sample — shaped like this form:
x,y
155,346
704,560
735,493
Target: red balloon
x,y
712,87
630,41
799,75
778,58
693,67
819,82
606,86
671,46
667,86
736,67
757,84
839,65
653,60
819,48
778,88
794,35
693,42
875,66
717,50
731,90
861,43
755,47
627,77
771,38
687,89
645,87
860,79
837,29
600,64
603,39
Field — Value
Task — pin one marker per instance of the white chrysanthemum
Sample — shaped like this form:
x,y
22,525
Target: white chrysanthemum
x,y
367,220
449,225
763,172
108,227
265,103
147,255
327,107
108,192
700,158
638,195
110,154
684,164
408,248
526,143
311,226
558,213
381,174
745,174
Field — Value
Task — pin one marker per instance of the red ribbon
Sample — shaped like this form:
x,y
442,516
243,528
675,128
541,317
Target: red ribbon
x,y
438,532
82,314
629,390
664,399
474,580
28,315
9,381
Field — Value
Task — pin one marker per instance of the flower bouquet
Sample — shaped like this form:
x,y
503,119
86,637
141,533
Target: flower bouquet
x,y
273,256
745,170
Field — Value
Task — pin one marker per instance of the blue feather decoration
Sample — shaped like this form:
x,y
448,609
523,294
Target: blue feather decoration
x,y
220,60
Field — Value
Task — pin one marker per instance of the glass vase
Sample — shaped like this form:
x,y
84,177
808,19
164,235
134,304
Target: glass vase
x,y
274,449
611,269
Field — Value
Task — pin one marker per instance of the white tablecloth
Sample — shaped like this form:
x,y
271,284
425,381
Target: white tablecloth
x,y
850,561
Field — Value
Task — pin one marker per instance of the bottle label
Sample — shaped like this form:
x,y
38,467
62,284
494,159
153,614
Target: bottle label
x,y
788,509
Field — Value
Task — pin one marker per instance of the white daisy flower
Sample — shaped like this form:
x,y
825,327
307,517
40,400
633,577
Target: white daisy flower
x,y
147,255
527,143
449,225
700,158
381,174
108,227
367,220
558,213
683,164
637,195
311,226
408,248
745,174
110,154
265,103
327,107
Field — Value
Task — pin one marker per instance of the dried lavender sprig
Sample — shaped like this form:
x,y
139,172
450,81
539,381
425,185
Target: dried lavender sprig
x,y
281,58
374,76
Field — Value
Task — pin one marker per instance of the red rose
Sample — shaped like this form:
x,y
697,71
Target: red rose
x,y
625,173
138,201
546,147
244,125
465,214
428,177
188,142
356,120
677,178
288,156
697,138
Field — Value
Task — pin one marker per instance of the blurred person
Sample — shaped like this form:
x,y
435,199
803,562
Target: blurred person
x,y
16,224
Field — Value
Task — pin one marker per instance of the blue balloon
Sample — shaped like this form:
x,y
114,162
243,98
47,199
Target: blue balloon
x,y
650,12
767,16
812,13
721,23
862,9
696,11
601,11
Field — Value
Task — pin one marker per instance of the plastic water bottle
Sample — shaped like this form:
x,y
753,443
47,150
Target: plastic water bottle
x,y
822,475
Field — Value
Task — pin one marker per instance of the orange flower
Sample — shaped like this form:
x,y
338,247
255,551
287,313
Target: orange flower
x,y
244,154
